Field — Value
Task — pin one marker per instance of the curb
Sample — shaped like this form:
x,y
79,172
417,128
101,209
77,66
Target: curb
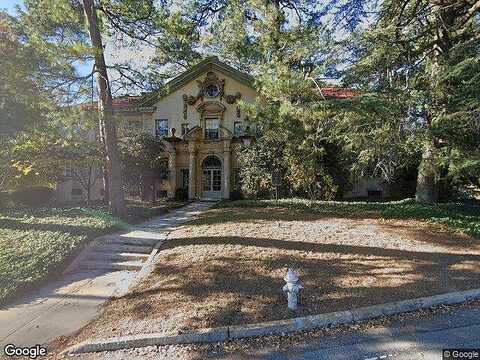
x,y
279,327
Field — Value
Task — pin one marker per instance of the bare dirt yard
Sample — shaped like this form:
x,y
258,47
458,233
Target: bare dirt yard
x,y
227,268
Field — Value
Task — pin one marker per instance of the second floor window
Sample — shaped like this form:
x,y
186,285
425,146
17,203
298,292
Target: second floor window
x,y
185,129
211,128
161,127
237,128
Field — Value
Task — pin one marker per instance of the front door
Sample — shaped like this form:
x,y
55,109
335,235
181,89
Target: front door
x,y
212,179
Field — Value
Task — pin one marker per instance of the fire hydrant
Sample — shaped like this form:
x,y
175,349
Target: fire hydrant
x,y
292,288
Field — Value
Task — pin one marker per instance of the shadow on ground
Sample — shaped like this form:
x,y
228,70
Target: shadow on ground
x,y
240,279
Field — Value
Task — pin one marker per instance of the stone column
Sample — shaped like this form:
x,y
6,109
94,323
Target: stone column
x,y
172,169
226,169
191,171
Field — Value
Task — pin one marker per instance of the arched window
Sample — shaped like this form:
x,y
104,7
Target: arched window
x,y
212,162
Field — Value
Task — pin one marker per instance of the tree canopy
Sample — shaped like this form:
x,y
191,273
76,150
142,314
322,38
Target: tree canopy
x,y
413,64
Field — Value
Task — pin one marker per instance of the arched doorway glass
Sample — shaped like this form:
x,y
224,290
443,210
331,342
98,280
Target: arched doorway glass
x,y
212,178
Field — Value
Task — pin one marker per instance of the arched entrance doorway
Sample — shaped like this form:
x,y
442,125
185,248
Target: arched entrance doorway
x,y
212,178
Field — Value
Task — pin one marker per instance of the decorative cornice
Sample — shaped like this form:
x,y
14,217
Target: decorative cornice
x,y
211,106
210,63
147,109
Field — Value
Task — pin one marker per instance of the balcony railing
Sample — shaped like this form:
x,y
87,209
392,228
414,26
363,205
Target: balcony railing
x,y
211,134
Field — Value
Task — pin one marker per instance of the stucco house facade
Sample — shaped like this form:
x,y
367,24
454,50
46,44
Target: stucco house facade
x,y
203,127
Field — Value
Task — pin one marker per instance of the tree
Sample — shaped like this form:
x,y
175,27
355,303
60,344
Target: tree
x,y
143,155
411,52
287,48
257,162
21,102
6,158
66,149
57,28
107,122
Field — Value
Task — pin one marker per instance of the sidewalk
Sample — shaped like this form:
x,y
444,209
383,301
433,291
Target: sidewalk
x,y
66,305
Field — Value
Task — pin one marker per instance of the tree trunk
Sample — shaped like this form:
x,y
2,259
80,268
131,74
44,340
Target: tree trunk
x,y
427,184
106,187
116,197
154,188
89,195
428,170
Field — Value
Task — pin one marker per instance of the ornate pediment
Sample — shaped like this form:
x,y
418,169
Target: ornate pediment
x,y
211,107
211,88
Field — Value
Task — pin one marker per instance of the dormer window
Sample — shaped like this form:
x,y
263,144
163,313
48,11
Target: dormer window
x,y
212,90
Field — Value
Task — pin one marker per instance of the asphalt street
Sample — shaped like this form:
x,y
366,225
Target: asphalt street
x,y
416,339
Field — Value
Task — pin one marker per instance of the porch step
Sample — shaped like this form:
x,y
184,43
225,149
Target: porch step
x,y
130,240
119,256
119,247
137,241
105,265
141,237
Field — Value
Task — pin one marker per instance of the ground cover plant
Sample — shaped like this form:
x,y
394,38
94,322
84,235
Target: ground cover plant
x,y
227,267
457,216
36,243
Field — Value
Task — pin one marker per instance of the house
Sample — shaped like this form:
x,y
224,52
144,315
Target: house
x,y
203,127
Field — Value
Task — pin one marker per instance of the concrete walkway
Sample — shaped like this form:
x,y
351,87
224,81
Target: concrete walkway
x,y
66,305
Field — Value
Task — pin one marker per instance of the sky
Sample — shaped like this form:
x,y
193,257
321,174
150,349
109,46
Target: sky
x,y
9,5
139,57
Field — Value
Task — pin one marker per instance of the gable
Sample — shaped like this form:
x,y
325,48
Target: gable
x,y
208,65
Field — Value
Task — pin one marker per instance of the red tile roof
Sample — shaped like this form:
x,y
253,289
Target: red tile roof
x,y
125,102
339,93
122,102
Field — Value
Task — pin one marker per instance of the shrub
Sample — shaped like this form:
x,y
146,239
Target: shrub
x,y
236,195
33,196
181,194
5,198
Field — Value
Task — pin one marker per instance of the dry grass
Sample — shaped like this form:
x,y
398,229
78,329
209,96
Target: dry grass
x,y
227,268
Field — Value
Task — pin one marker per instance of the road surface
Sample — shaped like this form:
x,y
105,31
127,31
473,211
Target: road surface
x,y
413,340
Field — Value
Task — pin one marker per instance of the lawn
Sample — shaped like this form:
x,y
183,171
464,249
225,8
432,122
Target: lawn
x,y
457,216
227,267
37,243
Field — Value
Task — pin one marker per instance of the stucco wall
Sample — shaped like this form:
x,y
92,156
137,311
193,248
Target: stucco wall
x,y
170,107
361,187
63,191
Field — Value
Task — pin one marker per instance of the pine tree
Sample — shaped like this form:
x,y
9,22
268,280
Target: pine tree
x,y
70,32
411,53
